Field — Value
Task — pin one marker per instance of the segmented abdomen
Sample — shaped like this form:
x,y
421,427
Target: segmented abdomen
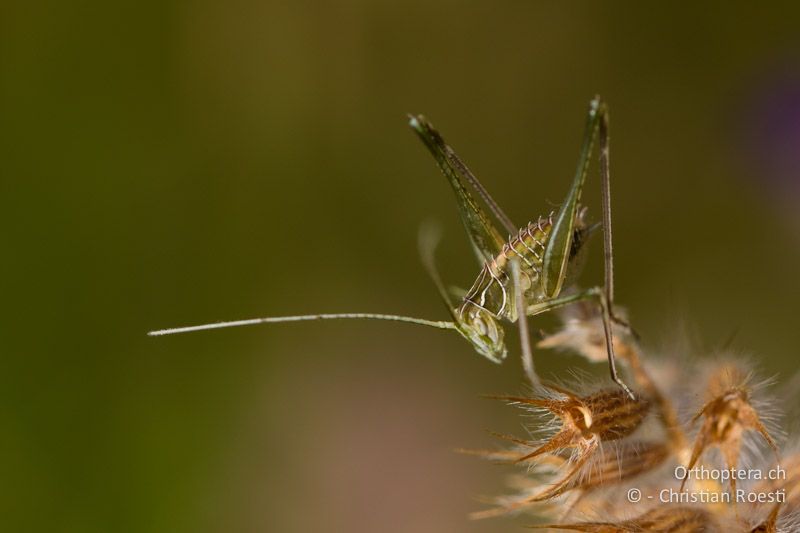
x,y
493,289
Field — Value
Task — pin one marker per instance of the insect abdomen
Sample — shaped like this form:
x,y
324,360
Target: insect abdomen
x,y
527,246
492,290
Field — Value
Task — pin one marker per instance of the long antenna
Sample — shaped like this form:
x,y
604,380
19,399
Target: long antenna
x,y
300,318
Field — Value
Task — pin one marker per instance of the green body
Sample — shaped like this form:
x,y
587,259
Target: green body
x,y
547,251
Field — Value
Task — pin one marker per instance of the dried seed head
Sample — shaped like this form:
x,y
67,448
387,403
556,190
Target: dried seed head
x,y
610,468
791,484
585,421
727,376
664,519
630,460
582,332
613,415
582,468
727,415
770,524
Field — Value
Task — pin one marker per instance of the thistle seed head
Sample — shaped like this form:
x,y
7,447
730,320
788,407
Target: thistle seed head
x,y
587,448
585,421
726,416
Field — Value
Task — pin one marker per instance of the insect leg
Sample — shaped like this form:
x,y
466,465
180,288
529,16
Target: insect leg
x,y
557,251
485,238
607,297
522,324
599,295
605,188
608,250
561,301
612,359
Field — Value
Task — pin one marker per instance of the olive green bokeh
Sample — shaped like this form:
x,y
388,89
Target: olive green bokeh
x,y
170,163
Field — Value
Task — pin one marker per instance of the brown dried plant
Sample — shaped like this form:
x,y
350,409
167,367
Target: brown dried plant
x,y
660,519
590,449
727,415
586,422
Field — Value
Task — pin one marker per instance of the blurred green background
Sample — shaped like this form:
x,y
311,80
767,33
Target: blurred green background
x,y
171,163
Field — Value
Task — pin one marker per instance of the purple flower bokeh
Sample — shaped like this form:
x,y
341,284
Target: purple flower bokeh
x,y
772,135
